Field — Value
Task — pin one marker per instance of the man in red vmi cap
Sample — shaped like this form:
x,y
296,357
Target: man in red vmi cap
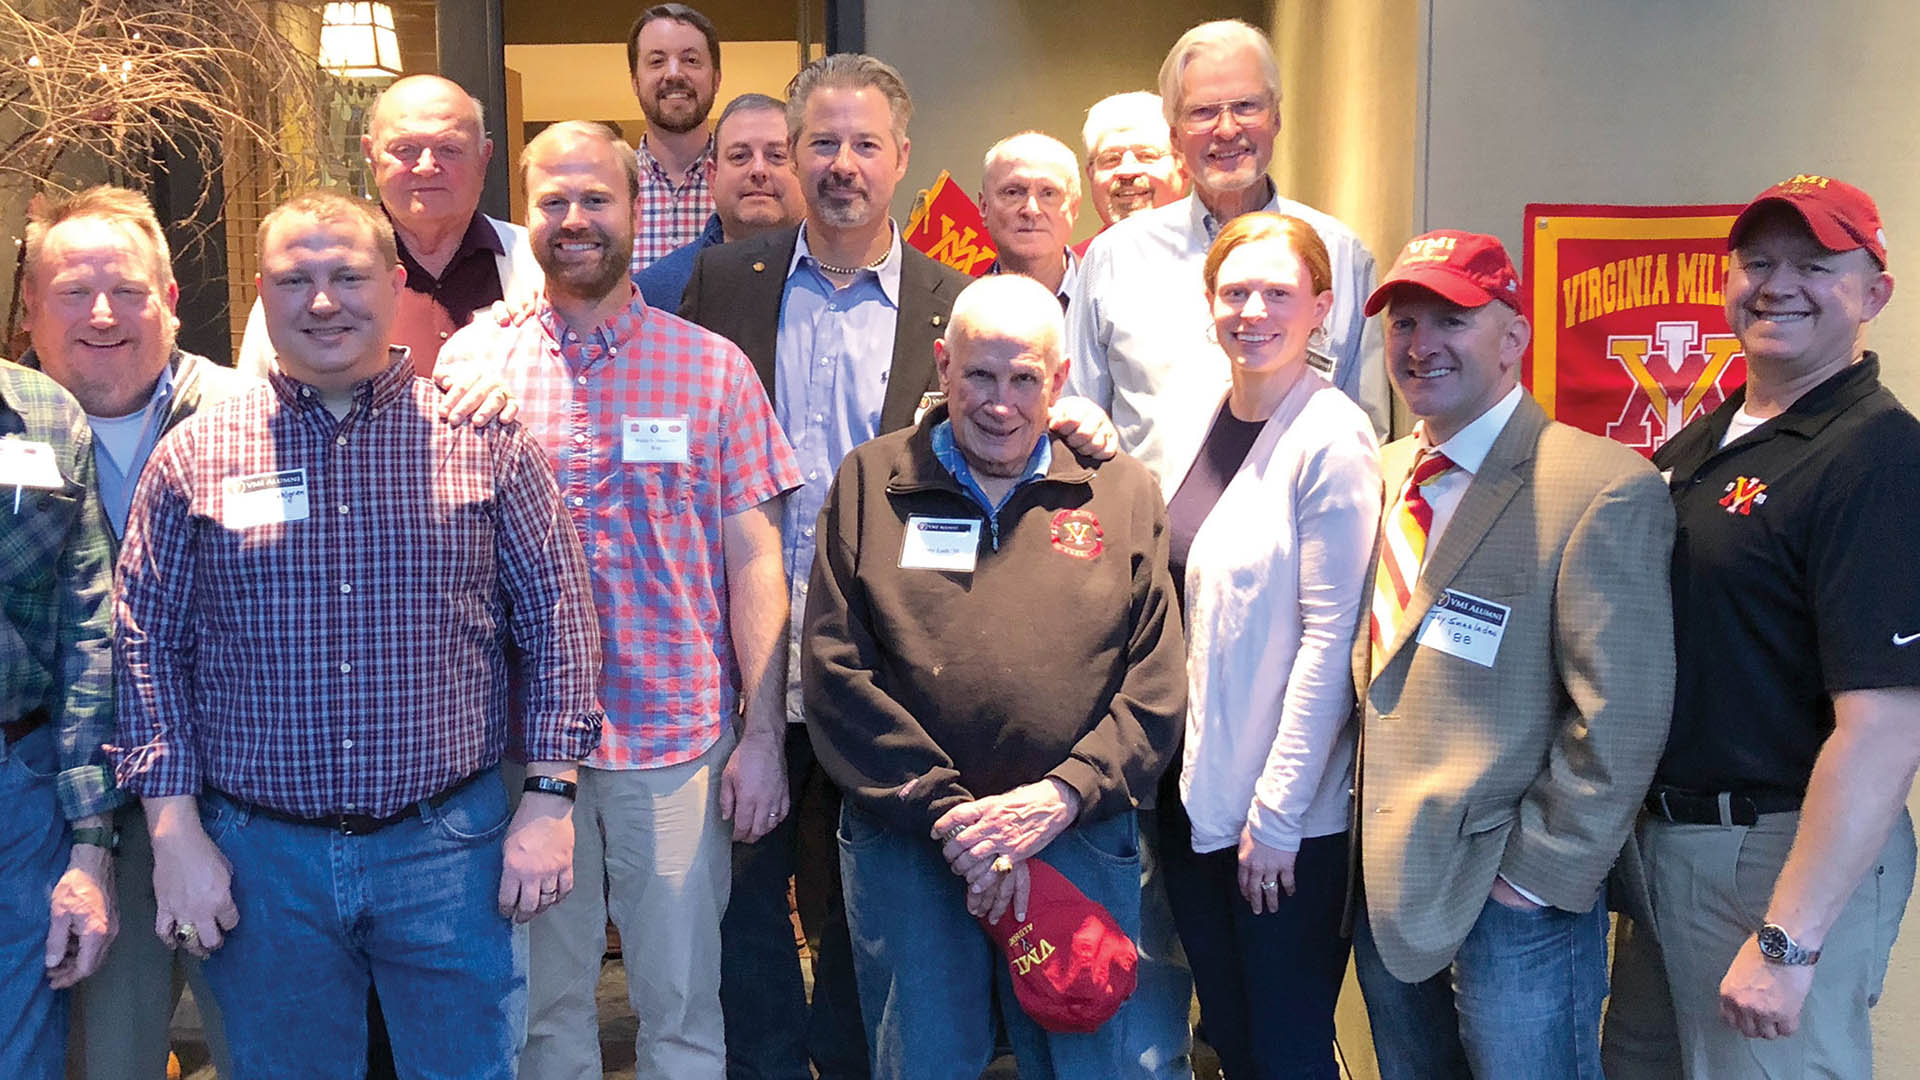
x,y
1514,680
1776,833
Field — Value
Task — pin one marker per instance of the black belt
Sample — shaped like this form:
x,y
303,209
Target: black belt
x,y
1724,808
356,824
15,730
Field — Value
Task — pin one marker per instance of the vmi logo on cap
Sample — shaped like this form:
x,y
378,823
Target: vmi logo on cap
x,y
1428,249
1805,181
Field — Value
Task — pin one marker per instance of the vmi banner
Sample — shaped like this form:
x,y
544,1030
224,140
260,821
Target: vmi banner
x,y
947,227
1630,336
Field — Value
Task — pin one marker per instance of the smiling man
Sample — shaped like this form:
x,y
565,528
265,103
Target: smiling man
x,y
1513,679
427,147
319,574
1030,194
673,58
1796,720
1130,161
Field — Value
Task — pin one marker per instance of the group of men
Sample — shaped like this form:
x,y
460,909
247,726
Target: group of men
x,y
635,616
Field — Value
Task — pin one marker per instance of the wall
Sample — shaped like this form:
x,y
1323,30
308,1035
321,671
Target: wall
x,y
1645,101
983,69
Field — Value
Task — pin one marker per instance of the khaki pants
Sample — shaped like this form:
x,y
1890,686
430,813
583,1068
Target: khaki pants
x,y
651,851
123,1012
1695,893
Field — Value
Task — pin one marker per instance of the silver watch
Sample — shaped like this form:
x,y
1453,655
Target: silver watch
x,y
1779,947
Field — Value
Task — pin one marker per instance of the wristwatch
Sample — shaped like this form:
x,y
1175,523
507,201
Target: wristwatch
x,y
99,837
551,785
1779,947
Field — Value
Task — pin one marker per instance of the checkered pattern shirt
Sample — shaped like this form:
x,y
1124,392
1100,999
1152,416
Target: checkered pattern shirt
x,y
672,212
56,568
652,528
351,658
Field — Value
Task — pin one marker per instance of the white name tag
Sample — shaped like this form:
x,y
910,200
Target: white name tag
x,y
1465,626
940,544
264,499
29,463
653,440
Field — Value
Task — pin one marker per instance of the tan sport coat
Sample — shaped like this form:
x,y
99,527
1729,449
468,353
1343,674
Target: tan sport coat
x,y
1533,767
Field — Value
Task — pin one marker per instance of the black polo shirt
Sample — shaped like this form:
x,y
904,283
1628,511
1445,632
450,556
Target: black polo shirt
x,y
471,279
1796,575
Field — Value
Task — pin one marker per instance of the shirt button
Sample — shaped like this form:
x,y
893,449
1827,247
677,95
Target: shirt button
x,y
306,391
580,439
339,440
807,532
818,418
343,508
443,335
345,668
346,587
578,501
813,475
803,588
582,380
346,744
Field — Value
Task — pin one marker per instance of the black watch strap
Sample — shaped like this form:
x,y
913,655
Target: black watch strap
x,y
552,785
100,837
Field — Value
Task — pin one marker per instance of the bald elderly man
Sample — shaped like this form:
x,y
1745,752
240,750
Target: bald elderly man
x,y
427,145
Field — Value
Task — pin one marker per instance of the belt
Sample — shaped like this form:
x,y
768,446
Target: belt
x,y
356,824
1723,808
15,730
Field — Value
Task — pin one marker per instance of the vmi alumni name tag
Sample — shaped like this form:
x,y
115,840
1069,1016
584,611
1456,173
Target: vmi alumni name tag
x,y
653,439
267,498
29,463
1465,626
940,544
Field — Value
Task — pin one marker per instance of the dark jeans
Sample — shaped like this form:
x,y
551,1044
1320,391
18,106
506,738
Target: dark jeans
x,y
1267,983
772,1032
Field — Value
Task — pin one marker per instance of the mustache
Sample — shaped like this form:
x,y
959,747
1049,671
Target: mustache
x,y
678,82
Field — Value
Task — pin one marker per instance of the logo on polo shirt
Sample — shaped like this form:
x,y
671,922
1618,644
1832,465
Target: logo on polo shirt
x,y
1743,494
1077,533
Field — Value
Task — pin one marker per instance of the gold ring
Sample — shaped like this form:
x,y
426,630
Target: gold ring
x,y
186,933
1002,865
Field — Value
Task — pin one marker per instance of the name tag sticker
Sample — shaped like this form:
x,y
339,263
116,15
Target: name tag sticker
x,y
29,463
269,498
1465,626
940,544
647,440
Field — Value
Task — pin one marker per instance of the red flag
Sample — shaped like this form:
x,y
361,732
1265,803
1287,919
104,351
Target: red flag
x,y
947,227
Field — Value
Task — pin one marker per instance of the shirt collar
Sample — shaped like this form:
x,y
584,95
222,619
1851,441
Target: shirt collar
x,y
622,325
713,232
162,388
950,457
651,164
1067,279
378,391
1468,447
1205,224
888,271
479,237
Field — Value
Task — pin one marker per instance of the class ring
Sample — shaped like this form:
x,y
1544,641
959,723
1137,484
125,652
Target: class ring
x,y
186,933
1002,865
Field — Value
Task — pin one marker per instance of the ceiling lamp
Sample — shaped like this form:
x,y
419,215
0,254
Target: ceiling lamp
x,y
357,40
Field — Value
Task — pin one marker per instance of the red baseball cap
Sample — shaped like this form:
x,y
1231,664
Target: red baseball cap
x,y
1841,216
1072,965
1470,269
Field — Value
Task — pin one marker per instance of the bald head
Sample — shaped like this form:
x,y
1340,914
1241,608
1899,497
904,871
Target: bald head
x,y
1008,307
426,140
1001,368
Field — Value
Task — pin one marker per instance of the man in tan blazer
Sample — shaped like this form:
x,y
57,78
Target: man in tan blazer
x,y
1515,682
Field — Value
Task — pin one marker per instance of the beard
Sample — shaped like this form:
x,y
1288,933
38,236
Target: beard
x,y
585,279
658,117
841,206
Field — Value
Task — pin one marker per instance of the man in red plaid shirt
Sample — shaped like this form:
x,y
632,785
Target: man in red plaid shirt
x,y
673,56
672,467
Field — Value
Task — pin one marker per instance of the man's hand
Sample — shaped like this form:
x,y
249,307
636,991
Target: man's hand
x,y
1085,427
84,920
1010,889
539,856
192,880
1016,824
1760,999
1264,871
1508,896
517,308
753,786
470,393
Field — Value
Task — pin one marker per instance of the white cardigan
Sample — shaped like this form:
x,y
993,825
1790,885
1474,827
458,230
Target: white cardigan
x,y
1276,582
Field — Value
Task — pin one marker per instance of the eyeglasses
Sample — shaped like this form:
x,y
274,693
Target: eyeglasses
x,y
1199,119
1146,156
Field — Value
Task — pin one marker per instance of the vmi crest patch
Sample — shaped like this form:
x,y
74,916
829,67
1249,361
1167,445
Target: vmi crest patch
x,y
1743,494
1077,533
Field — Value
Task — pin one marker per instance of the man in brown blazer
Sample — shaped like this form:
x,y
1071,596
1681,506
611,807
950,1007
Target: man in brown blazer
x,y
1515,682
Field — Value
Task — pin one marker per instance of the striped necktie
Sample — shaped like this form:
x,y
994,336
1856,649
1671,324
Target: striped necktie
x,y
1403,548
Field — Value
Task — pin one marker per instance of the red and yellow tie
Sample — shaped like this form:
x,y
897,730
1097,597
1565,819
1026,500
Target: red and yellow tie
x,y
1403,548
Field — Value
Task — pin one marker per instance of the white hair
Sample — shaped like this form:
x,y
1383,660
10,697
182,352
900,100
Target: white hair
x,y
1219,36
1035,147
1134,108
1009,305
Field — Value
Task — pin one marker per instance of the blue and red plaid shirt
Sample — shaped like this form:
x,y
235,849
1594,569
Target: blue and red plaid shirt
x,y
652,528
348,659
673,209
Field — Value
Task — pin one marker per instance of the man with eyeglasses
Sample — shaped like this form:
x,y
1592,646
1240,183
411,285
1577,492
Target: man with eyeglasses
x,y
1138,332
1130,161
755,192
1030,196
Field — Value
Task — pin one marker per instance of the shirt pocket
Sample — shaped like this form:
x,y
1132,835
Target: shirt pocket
x,y
662,489
35,533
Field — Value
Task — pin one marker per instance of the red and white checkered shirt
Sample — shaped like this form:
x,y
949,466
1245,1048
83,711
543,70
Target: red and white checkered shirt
x,y
657,429
311,612
672,213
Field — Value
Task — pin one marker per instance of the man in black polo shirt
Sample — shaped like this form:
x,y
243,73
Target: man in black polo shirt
x,y
1776,833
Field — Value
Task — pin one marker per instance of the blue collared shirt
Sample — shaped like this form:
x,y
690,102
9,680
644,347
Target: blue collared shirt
x,y
832,356
115,483
949,455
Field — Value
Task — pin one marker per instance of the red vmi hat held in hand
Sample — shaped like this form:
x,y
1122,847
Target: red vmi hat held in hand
x,y
1072,965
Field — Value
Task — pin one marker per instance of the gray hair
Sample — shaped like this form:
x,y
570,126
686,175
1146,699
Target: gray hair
x,y
1219,36
593,131
851,71
1134,108
1037,147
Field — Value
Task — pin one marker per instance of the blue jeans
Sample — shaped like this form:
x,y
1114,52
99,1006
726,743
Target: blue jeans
x,y
928,974
1268,983
411,908
33,855
772,1031
1522,998
1159,1032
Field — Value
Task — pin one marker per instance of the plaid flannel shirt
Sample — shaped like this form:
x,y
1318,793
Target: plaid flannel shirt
x,y
672,211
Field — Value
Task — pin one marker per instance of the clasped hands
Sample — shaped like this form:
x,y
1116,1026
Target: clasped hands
x,y
987,841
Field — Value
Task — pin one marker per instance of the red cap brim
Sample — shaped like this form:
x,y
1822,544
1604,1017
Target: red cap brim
x,y
1434,278
1828,230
